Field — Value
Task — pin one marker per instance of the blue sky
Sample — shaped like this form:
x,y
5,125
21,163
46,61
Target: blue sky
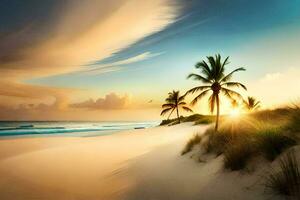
x,y
203,28
251,32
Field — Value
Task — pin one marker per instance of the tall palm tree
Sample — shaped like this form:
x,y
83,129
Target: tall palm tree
x,y
174,102
212,74
251,104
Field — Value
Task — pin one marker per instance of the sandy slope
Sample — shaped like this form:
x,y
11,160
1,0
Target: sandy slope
x,y
133,165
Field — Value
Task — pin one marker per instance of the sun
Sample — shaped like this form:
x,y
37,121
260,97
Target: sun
x,y
235,113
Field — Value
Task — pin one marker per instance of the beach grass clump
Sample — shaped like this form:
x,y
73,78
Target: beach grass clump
x,y
286,180
196,139
266,133
293,124
237,155
217,142
226,136
273,142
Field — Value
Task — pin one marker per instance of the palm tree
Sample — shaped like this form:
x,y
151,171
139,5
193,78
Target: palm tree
x,y
174,101
251,104
212,74
234,104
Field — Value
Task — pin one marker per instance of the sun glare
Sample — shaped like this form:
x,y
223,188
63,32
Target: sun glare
x,y
234,113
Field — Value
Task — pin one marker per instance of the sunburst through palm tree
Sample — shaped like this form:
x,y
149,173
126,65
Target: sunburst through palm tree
x,y
212,74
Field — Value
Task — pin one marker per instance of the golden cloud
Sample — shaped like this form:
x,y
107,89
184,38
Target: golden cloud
x,y
110,101
86,31
78,33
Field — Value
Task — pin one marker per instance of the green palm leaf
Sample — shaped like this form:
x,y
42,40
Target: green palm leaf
x,y
234,84
200,96
166,111
198,77
229,76
197,89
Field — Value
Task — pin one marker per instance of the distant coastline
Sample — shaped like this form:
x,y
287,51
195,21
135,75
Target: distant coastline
x,y
19,128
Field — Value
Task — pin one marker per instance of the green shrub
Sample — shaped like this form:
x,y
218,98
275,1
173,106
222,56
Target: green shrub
x,y
285,181
204,121
272,142
196,139
197,118
192,118
167,121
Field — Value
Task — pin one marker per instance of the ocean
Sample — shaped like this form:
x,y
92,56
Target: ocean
x,y
70,128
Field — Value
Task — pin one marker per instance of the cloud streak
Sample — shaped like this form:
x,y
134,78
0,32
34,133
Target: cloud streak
x,y
97,67
71,43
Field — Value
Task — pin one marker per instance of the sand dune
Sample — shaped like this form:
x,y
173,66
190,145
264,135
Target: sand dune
x,y
133,165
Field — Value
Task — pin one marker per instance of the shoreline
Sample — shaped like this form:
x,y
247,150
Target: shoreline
x,y
41,129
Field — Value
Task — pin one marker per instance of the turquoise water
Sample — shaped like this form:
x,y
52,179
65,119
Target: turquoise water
x,y
69,128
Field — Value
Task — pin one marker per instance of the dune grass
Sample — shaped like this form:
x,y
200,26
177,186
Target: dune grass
x,y
266,133
196,139
293,125
286,180
236,155
272,142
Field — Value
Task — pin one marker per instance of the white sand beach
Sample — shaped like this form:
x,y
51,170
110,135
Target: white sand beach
x,y
133,165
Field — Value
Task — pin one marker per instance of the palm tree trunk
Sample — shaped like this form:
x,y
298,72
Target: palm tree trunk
x,y
178,115
218,113
170,113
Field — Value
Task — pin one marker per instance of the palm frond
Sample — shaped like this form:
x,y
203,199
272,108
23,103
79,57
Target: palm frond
x,y
204,67
199,78
163,112
168,105
234,84
220,65
229,76
256,105
170,100
182,103
187,109
197,89
211,60
171,113
201,95
228,95
231,93
226,62
180,99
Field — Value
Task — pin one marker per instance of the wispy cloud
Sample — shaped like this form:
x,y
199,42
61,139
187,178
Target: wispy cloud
x,y
73,42
97,67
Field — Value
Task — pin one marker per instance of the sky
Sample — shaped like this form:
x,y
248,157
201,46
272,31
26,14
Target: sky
x,y
118,59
